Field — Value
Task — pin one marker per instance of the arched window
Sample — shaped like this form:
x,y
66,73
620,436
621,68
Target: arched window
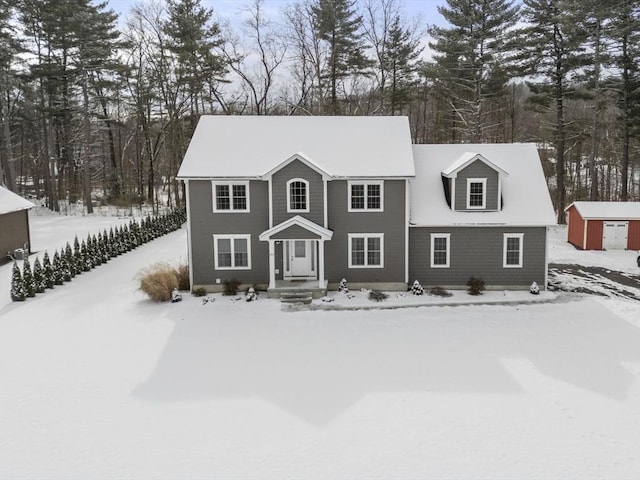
x,y
297,195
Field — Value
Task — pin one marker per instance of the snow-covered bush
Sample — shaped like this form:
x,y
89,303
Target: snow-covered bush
x,y
343,286
475,285
18,293
439,292
416,288
534,288
251,295
38,277
377,295
27,279
57,268
47,271
175,296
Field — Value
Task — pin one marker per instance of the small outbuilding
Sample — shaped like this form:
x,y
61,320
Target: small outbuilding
x,y
14,225
604,225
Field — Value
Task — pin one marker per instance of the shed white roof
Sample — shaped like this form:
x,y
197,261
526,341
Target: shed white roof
x,y
608,210
11,202
250,146
524,191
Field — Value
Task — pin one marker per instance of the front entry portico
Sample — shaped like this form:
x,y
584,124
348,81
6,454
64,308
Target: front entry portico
x,y
301,242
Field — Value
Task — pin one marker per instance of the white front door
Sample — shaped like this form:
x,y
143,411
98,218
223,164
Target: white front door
x,y
300,259
614,235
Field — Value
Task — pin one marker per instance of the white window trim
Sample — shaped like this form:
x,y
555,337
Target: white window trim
x,y
366,194
247,237
483,181
447,236
288,193
366,236
214,184
519,236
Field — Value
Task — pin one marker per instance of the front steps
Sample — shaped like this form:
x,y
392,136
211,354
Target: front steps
x,y
299,296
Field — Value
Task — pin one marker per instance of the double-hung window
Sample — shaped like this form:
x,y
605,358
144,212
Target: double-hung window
x,y
440,250
512,250
230,196
232,252
366,250
366,196
476,193
297,195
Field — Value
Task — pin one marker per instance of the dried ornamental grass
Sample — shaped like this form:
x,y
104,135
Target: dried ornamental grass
x,y
158,281
182,275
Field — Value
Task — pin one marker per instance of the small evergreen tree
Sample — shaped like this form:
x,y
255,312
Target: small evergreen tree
x,y
417,289
47,271
87,260
27,279
95,251
38,277
18,293
78,260
343,286
57,269
69,261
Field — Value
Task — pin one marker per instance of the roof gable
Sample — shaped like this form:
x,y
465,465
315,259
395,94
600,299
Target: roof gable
x,y
12,202
227,146
297,221
466,159
302,158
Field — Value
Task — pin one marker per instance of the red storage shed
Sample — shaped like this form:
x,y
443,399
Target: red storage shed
x,y
604,225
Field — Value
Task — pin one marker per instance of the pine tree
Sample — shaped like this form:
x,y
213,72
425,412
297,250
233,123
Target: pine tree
x,y
65,264
87,259
69,260
27,279
47,271
338,24
18,293
38,277
57,267
416,288
78,259
470,60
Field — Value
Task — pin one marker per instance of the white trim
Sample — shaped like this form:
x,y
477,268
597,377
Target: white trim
x,y
366,236
230,184
407,209
270,189
350,183
300,157
584,234
272,264
520,237
325,184
453,194
303,222
189,249
306,191
467,159
483,181
232,237
447,237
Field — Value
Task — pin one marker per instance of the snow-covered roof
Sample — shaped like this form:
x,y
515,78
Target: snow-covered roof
x,y
524,191
467,158
11,202
608,210
251,146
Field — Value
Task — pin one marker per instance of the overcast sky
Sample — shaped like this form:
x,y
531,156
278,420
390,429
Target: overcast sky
x,y
426,9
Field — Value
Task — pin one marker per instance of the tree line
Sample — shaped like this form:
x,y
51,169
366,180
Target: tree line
x,y
96,106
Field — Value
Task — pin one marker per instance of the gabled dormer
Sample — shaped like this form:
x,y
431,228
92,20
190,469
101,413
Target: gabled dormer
x,y
473,183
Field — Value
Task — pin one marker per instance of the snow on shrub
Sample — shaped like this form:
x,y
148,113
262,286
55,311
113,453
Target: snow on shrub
x,y
343,286
416,288
18,293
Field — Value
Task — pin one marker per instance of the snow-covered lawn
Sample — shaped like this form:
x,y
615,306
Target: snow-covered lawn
x,y
96,382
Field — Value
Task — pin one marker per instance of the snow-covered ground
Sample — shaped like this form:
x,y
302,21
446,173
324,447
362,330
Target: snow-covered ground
x,y
97,382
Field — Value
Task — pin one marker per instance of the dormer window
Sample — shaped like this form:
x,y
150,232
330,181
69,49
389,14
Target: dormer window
x,y
476,193
298,195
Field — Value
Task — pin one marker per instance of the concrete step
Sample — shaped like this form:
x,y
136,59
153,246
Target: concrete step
x,y
296,297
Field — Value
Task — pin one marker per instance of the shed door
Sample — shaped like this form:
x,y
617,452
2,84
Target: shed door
x,y
614,235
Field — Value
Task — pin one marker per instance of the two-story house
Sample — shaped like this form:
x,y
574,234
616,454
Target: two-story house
x,y
280,202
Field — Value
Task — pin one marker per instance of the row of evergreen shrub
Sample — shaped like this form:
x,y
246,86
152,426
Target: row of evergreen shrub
x,y
88,254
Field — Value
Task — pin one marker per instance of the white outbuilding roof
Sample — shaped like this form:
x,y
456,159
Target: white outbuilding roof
x,y
227,146
608,210
11,202
526,200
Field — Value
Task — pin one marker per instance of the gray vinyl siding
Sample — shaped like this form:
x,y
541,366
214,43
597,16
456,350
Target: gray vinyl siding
x,y
14,233
477,251
391,222
477,169
205,223
297,169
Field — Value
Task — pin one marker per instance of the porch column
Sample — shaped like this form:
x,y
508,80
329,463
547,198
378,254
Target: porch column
x,y
272,264
321,281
